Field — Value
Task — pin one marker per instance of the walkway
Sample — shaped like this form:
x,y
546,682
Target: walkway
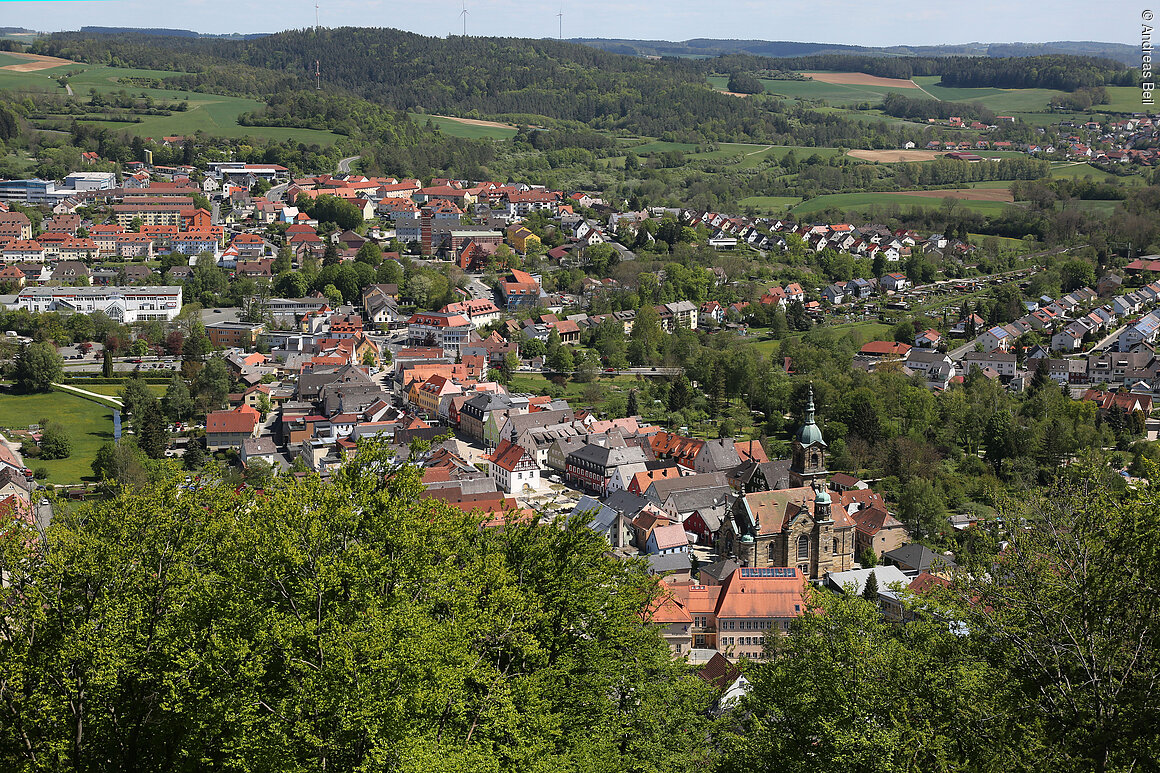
x,y
89,395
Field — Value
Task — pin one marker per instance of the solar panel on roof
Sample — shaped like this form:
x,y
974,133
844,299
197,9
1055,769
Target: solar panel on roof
x,y
768,571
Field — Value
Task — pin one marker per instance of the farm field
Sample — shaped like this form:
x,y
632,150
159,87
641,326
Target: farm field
x,y
1123,99
895,156
89,424
839,93
863,201
981,193
1074,170
1002,101
467,128
210,113
770,203
861,79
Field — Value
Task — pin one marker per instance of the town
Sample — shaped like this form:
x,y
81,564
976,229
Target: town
x,y
490,403
312,375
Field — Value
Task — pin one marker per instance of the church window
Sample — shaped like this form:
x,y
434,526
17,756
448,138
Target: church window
x,y
771,551
803,548
837,546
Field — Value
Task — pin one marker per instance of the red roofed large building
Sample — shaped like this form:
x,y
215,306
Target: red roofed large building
x,y
734,617
227,429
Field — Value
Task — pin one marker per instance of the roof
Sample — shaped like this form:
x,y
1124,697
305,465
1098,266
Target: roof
x,y
918,558
508,455
670,536
241,419
776,592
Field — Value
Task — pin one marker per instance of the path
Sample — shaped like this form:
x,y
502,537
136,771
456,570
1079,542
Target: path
x,y
754,153
90,395
924,91
344,164
68,89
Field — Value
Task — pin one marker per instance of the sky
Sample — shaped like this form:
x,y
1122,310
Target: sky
x,y
874,23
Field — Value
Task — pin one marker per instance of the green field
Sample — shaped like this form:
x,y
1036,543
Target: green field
x,y
660,146
770,203
114,390
453,128
1124,99
90,425
1076,170
536,384
864,201
1002,101
210,113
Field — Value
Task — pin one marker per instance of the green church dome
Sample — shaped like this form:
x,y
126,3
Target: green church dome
x,y
809,434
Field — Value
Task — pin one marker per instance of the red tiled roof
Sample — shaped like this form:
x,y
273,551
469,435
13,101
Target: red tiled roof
x,y
241,419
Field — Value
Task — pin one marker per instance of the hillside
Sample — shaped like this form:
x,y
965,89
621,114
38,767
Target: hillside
x,y
708,47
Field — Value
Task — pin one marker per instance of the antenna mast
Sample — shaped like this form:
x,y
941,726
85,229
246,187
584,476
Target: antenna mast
x,y
317,76
316,17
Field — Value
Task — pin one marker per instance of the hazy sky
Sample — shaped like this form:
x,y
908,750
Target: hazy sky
x,y
880,23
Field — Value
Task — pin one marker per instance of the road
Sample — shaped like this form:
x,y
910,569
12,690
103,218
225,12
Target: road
x,y
277,193
344,164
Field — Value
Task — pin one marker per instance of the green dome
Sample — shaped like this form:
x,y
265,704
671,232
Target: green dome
x,y
747,538
809,434
822,497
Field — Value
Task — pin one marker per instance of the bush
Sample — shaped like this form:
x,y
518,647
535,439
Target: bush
x,y
40,473
30,451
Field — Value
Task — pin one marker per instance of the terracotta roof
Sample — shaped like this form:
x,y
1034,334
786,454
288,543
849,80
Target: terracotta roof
x,y
241,419
507,455
762,593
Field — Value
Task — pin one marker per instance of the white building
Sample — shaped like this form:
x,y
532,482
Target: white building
x,y
123,304
91,181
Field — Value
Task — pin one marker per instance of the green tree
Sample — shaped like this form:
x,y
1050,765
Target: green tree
x,y
194,457
55,440
107,363
136,395
38,366
632,409
152,434
870,591
177,402
189,622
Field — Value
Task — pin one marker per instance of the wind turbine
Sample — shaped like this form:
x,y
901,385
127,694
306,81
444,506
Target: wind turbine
x,y
463,14
316,17
560,16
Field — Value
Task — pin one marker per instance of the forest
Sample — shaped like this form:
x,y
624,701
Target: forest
x,y
1051,71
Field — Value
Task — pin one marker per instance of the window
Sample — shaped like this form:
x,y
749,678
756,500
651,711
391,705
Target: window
x,y
803,548
836,546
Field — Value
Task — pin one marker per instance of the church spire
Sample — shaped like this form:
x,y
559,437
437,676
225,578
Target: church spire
x,y
810,405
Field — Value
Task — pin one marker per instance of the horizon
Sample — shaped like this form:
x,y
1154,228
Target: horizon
x,y
1054,22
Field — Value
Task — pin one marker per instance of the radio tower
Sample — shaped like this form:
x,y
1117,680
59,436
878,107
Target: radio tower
x,y
560,16
316,17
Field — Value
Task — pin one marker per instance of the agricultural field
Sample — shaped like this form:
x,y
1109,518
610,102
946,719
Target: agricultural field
x,y
467,128
210,113
1002,101
1123,99
1072,169
838,93
864,201
766,204
90,426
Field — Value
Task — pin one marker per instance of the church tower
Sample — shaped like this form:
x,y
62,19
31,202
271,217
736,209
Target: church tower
x,y
809,450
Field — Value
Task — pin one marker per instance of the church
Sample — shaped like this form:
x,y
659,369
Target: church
x,y
799,526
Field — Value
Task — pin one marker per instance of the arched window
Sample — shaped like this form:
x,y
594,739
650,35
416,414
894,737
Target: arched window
x,y
803,548
837,545
771,551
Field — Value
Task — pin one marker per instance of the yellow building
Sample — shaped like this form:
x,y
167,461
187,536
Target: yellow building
x,y
521,236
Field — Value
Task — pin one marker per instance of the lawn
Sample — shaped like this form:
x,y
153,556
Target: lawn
x,y
660,146
864,201
90,425
114,390
453,128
